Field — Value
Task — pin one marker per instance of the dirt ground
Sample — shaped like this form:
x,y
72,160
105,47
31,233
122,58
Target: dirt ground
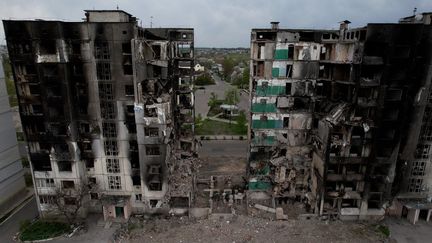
x,y
249,229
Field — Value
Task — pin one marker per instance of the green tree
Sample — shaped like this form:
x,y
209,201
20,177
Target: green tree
x,y
204,79
213,100
245,78
232,96
228,68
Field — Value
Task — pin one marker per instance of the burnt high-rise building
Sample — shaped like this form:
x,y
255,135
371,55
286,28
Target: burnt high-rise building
x,y
107,103
339,119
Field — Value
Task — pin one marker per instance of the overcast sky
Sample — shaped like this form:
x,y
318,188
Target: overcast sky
x,y
223,23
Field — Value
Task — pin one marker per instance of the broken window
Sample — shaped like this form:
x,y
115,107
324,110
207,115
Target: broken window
x,y
107,110
109,129
46,199
150,112
126,48
47,47
111,148
45,182
106,91
102,50
65,166
114,182
422,151
113,165
151,131
418,168
288,88
84,127
291,52
289,71
103,71
136,179
415,185
156,51
426,132
94,196
285,122
152,150
138,197
68,184
129,90
89,163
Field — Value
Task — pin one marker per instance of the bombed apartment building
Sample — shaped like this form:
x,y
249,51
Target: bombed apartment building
x,y
106,103
331,114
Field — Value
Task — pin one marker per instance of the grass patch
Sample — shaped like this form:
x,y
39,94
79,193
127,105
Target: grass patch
x,y
43,230
209,127
383,230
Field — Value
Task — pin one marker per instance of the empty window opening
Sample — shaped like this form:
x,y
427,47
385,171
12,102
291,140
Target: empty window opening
x,y
107,110
65,166
102,50
68,184
106,91
103,70
288,88
290,52
152,150
46,199
129,90
109,129
47,47
415,185
113,165
138,197
156,51
286,122
418,168
111,148
150,112
136,180
422,151
151,131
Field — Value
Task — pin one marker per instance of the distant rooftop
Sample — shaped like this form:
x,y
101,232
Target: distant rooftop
x,y
108,16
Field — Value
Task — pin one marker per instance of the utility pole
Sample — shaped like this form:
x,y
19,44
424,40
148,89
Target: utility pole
x,y
151,21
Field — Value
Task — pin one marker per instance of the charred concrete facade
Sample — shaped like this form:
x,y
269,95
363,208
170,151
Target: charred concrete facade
x,y
98,101
331,112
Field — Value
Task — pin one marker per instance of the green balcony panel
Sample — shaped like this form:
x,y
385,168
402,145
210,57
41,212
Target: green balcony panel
x,y
281,54
270,90
259,185
275,72
260,107
267,124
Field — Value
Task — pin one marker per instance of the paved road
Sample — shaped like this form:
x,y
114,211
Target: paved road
x,y
223,148
10,227
202,96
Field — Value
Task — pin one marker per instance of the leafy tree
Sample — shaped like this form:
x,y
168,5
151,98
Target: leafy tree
x,y
204,79
68,201
228,67
232,96
213,100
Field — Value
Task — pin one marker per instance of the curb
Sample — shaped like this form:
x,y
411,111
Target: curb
x,y
14,210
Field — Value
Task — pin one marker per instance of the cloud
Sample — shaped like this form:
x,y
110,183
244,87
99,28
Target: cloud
x,y
223,23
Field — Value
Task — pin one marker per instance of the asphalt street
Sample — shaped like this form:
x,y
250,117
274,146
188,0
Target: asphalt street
x,y
202,96
11,226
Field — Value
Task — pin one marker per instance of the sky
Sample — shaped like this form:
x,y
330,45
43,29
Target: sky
x,y
223,23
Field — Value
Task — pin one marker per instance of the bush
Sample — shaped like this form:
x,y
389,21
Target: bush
x,y
28,179
241,137
43,230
